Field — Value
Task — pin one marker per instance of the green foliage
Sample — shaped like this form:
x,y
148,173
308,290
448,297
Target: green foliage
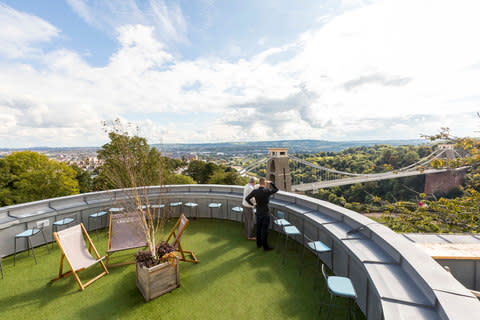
x,y
200,171
6,181
29,176
460,214
457,212
128,162
406,207
179,179
85,181
209,172
375,159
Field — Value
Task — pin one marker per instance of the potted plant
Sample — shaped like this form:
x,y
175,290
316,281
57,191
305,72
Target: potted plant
x,y
131,165
157,278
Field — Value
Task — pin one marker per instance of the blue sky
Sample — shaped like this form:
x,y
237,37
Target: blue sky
x,y
210,71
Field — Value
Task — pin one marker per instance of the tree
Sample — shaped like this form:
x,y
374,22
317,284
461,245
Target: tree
x,y
30,176
179,179
209,172
131,164
128,160
85,181
225,177
460,214
6,198
196,170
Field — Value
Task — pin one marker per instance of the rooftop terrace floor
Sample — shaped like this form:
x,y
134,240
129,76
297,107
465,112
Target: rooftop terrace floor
x,y
234,280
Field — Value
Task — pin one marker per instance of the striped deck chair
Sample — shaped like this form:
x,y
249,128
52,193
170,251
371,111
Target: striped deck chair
x,y
125,232
71,242
176,236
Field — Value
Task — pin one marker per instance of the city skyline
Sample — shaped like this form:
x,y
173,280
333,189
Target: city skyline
x,y
206,71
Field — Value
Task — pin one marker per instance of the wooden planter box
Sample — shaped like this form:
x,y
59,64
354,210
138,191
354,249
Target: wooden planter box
x,y
155,281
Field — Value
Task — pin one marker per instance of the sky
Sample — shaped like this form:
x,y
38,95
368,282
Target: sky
x,y
190,71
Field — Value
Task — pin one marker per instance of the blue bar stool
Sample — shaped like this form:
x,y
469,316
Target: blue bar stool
x,y
95,217
317,247
175,205
191,206
290,231
238,210
338,287
27,235
61,223
279,222
212,206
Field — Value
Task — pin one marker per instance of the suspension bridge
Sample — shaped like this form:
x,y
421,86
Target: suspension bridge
x,y
320,177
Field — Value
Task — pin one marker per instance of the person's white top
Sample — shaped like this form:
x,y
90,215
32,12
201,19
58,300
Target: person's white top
x,y
246,191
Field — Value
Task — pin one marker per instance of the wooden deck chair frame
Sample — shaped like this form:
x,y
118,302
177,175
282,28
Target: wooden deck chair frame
x,y
74,272
109,246
176,241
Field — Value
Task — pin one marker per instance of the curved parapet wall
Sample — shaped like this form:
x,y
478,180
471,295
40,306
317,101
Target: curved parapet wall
x,y
393,279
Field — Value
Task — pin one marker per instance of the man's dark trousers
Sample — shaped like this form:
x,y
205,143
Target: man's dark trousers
x,y
263,222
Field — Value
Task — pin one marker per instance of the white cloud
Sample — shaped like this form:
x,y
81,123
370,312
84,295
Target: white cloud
x,y
20,32
386,70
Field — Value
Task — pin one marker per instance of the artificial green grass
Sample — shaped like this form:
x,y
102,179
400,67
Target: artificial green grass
x,y
234,280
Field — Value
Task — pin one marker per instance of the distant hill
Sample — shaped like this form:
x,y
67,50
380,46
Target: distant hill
x,y
294,146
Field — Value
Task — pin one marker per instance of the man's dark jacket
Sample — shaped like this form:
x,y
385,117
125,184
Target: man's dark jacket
x,y
262,197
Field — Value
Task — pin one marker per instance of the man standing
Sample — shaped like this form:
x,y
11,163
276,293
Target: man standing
x,y
248,209
262,197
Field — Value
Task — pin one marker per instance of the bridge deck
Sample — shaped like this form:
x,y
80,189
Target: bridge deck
x,y
367,178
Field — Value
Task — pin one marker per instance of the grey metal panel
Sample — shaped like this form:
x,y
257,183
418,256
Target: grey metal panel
x,y
459,238
221,196
7,237
376,237
298,209
367,251
477,276
359,281
374,304
278,204
179,188
283,196
319,218
339,230
99,197
30,209
423,238
307,203
5,220
442,238
340,260
393,283
220,188
429,276
458,306
201,188
462,270
401,311
310,230
73,202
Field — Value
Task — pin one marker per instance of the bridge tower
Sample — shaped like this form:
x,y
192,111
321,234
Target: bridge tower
x,y
449,151
278,170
